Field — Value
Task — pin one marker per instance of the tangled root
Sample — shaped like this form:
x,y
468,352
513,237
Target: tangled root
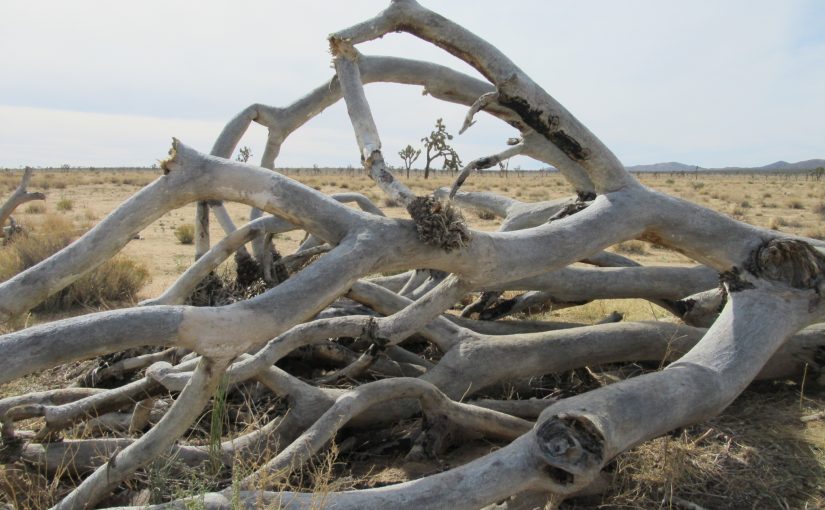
x,y
247,269
439,223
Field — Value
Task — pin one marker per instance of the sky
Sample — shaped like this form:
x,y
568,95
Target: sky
x,y
103,83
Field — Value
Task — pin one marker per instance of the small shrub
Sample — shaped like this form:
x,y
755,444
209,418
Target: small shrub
x,y
389,202
820,209
119,279
185,233
59,184
36,208
669,181
779,221
745,204
816,233
485,215
632,247
697,185
116,280
795,204
50,236
64,204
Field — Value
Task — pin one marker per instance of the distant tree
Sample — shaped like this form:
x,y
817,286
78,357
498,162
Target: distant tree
x,y
408,156
244,154
437,147
452,162
818,173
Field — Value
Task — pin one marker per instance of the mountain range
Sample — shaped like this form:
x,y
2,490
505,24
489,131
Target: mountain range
x,y
778,166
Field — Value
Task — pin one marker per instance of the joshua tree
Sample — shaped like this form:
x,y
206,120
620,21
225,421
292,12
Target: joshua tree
x,y
244,153
408,156
436,146
749,325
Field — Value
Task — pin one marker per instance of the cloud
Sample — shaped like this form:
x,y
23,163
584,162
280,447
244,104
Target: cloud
x,y
45,137
705,82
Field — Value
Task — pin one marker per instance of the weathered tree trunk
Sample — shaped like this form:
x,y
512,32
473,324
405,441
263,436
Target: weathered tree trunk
x,y
770,290
18,197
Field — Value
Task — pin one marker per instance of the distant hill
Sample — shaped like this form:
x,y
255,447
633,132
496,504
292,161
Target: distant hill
x,y
801,165
778,166
663,167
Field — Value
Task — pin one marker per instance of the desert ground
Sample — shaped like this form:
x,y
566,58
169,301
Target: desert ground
x,y
790,203
758,454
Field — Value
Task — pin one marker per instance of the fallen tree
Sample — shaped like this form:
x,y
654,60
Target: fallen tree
x,y
19,196
769,292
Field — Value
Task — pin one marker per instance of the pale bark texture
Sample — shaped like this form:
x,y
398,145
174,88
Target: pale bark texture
x,y
19,196
399,350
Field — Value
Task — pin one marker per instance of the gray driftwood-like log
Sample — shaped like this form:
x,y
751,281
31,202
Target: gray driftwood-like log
x,y
18,197
754,293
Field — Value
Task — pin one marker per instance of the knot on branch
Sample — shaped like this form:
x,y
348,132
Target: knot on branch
x,y
569,210
439,223
585,196
790,261
684,306
370,335
732,281
572,447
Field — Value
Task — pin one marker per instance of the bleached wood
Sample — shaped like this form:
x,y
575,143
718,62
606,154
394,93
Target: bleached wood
x,y
772,285
18,197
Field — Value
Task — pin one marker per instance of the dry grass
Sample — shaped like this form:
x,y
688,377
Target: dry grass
x,y
756,455
117,280
185,234
35,208
631,248
65,204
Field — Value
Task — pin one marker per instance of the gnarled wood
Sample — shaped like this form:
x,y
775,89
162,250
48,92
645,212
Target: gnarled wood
x,y
374,328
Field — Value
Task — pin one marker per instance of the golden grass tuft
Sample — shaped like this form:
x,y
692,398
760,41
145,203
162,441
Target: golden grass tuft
x,y
35,208
185,234
115,281
757,454
631,248
64,204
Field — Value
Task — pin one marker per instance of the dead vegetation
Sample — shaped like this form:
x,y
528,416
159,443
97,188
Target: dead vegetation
x,y
756,454
115,283
362,358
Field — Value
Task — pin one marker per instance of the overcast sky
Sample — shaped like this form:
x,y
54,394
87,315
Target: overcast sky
x,y
711,83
